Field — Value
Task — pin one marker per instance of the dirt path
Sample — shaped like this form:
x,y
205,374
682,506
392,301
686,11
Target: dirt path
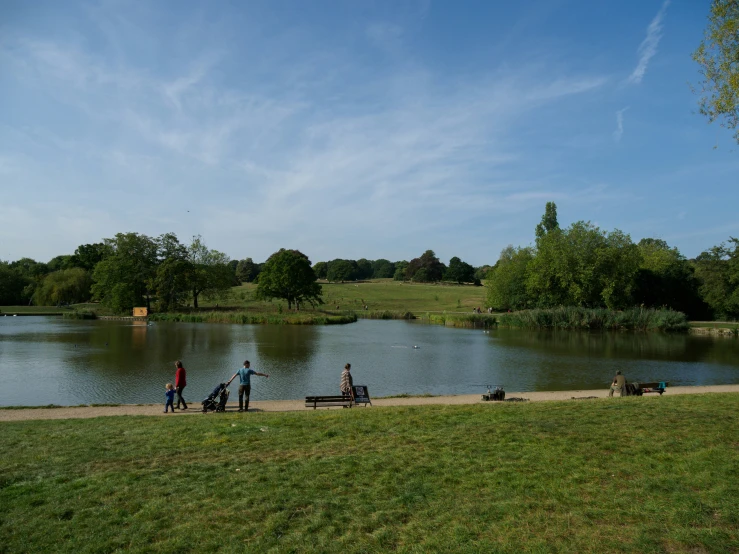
x,y
298,405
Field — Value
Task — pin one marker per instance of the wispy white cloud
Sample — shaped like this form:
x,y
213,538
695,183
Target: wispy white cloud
x,y
320,147
619,132
648,47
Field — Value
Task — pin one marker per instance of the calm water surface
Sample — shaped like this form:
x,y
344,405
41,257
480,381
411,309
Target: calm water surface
x,y
48,360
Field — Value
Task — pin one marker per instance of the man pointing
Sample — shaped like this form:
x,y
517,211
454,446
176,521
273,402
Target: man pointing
x,y
245,374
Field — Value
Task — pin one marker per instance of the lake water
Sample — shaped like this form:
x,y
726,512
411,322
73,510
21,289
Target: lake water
x,y
49,360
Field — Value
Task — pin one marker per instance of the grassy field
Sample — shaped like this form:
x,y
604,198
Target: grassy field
x,y
625,475
379,295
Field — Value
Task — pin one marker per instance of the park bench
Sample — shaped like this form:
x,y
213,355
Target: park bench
x,y
328,401
638,389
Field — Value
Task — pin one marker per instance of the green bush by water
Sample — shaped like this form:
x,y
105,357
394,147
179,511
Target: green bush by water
x,y
636,319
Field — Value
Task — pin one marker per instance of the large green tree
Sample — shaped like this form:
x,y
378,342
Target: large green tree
x,y
400,268
288,274
125,278
12,285
66,286
459,271
718,271
433,268
666,278
583,266
383,269
342,270
718,56
247,271
506,281
210,274
320,269
87,256
172,283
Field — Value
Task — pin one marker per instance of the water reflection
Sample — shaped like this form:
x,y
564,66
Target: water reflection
x,y
50,360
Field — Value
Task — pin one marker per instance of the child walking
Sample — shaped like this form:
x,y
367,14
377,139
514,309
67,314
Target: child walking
x,y
169,395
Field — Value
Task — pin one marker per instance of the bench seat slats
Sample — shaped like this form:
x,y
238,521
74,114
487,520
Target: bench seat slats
x,y
327,401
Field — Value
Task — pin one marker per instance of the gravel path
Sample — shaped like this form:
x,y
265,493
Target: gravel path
x,y
298,405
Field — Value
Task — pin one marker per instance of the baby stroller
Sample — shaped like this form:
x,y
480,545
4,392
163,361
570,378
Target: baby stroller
x,y
216,401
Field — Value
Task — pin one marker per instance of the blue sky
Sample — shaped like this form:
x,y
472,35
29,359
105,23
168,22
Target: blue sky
x,y
354,129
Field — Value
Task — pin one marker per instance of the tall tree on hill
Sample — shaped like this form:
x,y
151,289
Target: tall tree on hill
x,y
383,269
247,271
433,268
718,56
342,270
288,274
320,269
400,269
459,271
364,268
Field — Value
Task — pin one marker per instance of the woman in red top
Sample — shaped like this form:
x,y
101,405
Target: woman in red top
x,y
180,382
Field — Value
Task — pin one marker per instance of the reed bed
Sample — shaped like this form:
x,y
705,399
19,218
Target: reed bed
x,y
468,321
635,319
385,314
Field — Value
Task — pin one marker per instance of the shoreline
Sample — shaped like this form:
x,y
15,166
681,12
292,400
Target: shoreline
x,y
258,406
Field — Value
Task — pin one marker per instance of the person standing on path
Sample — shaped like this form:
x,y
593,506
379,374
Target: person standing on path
x,y
346,381
180,382
618,385
169,396
245,374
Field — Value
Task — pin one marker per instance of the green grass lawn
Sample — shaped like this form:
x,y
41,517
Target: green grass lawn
x,y
626,475
378,295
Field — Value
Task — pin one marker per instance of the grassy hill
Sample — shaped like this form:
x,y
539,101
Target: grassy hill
x,y
625,475
378,295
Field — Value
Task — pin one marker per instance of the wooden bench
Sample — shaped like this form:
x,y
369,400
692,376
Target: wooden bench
x,y
653,387
328,401
638,389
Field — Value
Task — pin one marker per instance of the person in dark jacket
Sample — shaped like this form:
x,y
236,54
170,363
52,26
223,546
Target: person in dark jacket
x,y
180,382
618,385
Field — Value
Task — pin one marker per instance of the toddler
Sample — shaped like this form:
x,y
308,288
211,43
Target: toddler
x,y
169,395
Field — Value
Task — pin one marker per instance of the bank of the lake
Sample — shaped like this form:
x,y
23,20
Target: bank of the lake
x,y
25,413
550,476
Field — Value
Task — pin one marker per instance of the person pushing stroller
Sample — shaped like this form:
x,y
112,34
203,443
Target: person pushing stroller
x,y
245,374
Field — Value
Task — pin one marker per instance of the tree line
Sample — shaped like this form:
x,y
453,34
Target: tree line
x,y
130,269
425,269
585,266
580,265
133,269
